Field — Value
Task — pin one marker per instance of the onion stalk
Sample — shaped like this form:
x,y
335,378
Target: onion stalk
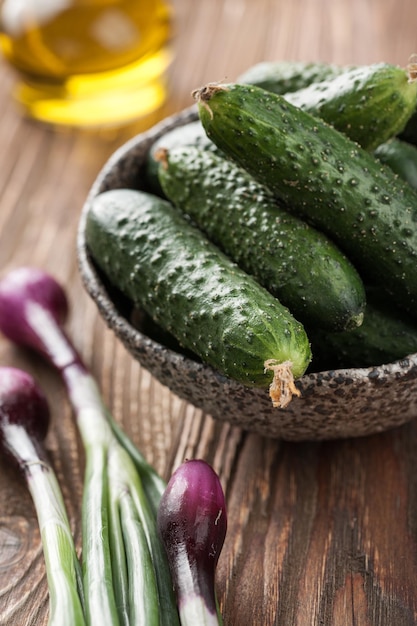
x,y
121,490
24,420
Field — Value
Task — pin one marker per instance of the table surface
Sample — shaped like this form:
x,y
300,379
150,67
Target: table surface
x,y
319,533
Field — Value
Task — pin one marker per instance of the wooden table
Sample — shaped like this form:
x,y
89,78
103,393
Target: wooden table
x,y
319,533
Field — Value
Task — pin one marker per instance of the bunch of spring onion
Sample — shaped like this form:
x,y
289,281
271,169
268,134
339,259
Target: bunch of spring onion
x,y
126,578
127,560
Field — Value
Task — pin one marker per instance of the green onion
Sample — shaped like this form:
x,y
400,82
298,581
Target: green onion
x,y
139,594
192,523
24,418
33,307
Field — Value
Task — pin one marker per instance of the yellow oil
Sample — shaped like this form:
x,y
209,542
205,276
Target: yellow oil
x,y
87,62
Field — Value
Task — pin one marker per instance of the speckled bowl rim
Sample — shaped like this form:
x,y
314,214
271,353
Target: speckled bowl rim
x,y
333,404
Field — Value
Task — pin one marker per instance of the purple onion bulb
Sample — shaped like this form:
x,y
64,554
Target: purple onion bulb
x,y
24,406
192,524
33,309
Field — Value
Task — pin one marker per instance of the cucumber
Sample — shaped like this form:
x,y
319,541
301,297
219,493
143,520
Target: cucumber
x,y
191,134
370,104
279,77
401,157
166,266
295,262
386,335
324,177
283,77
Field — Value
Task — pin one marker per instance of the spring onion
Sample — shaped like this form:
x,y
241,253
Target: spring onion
x,y
121,490
192,523
24,420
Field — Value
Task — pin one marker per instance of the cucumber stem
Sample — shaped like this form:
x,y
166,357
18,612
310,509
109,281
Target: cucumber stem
x,y
282,387
412,68
202,95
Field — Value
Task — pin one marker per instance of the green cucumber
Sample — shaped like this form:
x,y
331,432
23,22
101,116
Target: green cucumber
x,y
191,134
296,263
279,77
324,177
166,266
401,157
386,335
283,77
370,104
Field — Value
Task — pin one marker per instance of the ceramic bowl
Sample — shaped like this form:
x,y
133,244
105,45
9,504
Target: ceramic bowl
x,y
333,404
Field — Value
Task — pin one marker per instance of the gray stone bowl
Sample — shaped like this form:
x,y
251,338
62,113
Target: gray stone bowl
x,y
333,404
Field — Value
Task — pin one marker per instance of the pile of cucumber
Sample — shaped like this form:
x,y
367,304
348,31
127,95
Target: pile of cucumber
x,y
277,233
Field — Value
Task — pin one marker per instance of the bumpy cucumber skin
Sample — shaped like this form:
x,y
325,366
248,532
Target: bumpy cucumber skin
x,y
191,134
385,336
401,157
192,290
284,77
296,263
370,104
325,178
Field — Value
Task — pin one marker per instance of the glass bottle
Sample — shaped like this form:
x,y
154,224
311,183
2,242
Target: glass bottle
x,y
87,62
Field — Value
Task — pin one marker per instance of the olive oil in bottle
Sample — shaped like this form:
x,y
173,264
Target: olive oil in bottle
x,y
87,62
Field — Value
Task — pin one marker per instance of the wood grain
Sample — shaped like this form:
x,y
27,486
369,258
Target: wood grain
x,y
319,533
